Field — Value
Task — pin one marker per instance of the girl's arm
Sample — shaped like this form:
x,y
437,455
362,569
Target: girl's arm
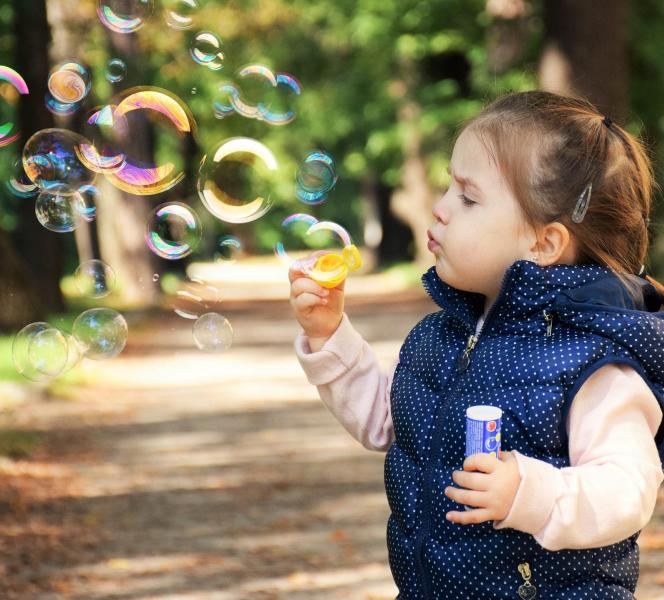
x,y
610,490
350,383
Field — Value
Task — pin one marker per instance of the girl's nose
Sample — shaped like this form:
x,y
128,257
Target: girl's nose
x,y
440,211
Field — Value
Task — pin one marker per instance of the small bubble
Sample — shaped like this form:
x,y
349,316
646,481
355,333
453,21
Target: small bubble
x,y
155,277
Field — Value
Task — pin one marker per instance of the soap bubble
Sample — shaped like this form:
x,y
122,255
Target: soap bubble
x,y
195,298
225,99
155,277
116,70
228,247
40,351
271,111
179,13
94,278
19,184
100,332
296,227
173,230
124,16
316,176
69,82
234,180
257,81
213,333
206,50
61,109
107,130
16,85
160,107
51,161
87,207
57,212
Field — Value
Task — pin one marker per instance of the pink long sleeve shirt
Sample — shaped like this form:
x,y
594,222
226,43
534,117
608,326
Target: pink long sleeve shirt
x,y
607,494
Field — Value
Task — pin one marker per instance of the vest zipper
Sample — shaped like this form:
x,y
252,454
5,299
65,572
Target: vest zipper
x,y
464,359
436,442
548,317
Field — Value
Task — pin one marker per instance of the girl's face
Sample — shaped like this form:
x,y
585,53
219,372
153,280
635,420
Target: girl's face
x,y
479,230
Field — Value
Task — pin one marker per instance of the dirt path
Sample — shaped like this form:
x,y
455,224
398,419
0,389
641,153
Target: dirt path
x,y
196,476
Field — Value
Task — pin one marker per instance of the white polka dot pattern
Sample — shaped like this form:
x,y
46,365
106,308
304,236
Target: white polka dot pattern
x,y
532,377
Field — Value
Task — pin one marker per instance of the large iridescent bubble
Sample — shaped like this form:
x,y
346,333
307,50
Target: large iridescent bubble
x,y
17,85
173,230
51,161
108,131
164,110
100,332
235,178
124,16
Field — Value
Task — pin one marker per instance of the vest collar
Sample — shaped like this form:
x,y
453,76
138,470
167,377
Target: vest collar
x,y
527,289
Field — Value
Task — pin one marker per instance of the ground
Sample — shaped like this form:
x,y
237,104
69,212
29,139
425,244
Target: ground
x,y
200,476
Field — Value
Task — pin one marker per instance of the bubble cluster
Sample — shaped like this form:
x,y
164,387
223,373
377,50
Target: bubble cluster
x,y
206,50
213,333
116,70
235,178
124,16
8,133
180,13
41,352
315,177
51,161
94,278
173,230
101,333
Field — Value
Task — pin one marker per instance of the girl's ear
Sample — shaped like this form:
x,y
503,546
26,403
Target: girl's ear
x,y
554,245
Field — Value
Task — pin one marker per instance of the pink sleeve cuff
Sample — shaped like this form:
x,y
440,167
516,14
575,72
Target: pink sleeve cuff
x,y
338,355
535,497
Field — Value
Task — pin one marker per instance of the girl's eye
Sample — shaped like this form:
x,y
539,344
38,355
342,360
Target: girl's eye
x,y
466,201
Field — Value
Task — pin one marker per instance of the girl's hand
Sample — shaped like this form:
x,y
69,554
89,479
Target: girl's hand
x,y
317,309
491,489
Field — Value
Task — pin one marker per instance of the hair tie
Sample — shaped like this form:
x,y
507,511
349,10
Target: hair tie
x,y
607,122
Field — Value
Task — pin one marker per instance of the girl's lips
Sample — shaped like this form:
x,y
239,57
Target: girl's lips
x,y
432,244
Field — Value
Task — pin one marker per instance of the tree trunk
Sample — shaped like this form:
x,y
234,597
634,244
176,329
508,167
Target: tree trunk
x,y
586,52
40,250
413,200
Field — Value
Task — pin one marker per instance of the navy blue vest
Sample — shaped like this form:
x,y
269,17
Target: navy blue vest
x,y
548,331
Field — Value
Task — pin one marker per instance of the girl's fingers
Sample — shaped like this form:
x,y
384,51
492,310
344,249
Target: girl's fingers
x,y
306,301
304,284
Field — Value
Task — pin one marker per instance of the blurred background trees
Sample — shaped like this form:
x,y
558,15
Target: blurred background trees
x,y
385,83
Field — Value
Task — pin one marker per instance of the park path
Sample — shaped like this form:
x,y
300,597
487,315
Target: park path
x,y
185,475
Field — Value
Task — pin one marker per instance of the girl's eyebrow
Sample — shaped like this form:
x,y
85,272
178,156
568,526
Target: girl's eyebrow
x,y
467,181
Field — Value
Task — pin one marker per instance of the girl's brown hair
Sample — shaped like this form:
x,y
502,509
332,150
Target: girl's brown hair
x,y
549,148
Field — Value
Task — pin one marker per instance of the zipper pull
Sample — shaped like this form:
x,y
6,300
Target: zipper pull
x,y
464,359
526,590
548,317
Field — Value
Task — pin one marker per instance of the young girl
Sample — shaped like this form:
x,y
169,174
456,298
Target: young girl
x,y
546,313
